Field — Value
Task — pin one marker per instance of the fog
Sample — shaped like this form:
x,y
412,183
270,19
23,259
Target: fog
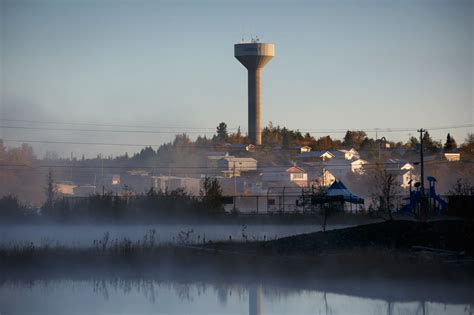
x,y
84,235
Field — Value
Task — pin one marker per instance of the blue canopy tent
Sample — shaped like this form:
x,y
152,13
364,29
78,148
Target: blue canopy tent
x,y
339,191
337,194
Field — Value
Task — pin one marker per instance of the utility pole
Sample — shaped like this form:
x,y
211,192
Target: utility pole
x,y
71,168
235,188
422,182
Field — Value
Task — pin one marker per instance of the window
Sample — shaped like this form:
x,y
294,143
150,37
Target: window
x,y
298,175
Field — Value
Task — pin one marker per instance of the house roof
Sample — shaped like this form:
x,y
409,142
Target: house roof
x,y
239,159
359,161
295,169
312,154
217,154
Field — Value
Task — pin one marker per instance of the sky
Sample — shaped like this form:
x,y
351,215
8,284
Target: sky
x,y
168,67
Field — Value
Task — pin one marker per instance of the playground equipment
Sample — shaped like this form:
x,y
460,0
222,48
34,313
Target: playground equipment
x,y
435,201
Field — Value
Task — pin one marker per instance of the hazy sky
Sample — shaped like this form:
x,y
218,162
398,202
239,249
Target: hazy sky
x,y
338,65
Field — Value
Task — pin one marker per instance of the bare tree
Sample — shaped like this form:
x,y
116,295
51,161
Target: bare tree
x,y
385,190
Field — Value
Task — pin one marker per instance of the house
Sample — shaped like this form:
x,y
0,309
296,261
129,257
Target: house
x,y
407,167
232,164
213,157
326,179
65,187
285,176
357,166
301,149
350,154
452,156
329,154
408,178
305,148
403,170
317,155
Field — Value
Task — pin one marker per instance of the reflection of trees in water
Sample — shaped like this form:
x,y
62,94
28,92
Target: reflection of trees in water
x,y
326,303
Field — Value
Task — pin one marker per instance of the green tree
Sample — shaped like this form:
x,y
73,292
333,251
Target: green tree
x,y
412,142
450,143
221,131
428,143
354,138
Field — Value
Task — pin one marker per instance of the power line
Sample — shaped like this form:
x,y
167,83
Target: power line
x,y
224,147
201,129
102,125
184,167
101,130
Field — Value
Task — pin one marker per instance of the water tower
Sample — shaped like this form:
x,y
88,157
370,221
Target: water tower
x,y
254,56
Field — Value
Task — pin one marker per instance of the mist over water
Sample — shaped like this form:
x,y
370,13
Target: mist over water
x,y
84,235
125,296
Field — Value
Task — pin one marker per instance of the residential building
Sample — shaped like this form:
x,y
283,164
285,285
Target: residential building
x,y
285,176
65,187
235,165
213,157
452,156
357,166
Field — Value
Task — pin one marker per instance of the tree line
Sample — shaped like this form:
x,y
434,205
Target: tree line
x,y
153,205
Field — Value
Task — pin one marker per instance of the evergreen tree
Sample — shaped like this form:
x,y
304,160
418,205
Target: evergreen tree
x,y
412,142
450,143
221,131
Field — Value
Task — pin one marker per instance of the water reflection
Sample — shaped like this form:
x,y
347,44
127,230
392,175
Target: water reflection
x,y
255,300
126,296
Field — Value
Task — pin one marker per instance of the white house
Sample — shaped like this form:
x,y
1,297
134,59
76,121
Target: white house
x,y
350,154
326,179
357,166
406,177
452,156
305,148
327,155
65,187
284,176
407,167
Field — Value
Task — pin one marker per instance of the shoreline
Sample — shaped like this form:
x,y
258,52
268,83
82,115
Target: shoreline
x,y
442,251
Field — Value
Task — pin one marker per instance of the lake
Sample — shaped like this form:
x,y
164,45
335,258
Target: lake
x,y
145,296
